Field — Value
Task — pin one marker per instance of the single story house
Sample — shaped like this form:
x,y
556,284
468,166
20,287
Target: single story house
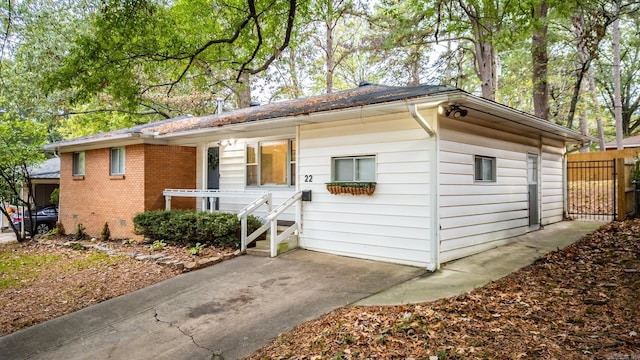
x,y
416,175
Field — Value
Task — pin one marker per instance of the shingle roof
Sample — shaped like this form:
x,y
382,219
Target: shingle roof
x,y
360,96
50,169
633,141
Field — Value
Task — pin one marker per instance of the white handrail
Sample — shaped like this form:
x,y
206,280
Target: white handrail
x,y
271,223
251,207
284,206
245,212
272,219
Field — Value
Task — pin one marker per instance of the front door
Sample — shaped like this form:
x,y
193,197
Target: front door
x,y
532,178
213,174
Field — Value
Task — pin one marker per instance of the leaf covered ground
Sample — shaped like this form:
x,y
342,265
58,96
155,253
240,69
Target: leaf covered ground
x,y
582,302
41,280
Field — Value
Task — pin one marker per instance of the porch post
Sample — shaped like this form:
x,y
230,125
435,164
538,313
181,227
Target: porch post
x,y
167,202
243,234
274,238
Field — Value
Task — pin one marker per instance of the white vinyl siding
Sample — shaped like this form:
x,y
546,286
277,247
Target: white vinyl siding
x,y
475,216
232,178
391,225
552,183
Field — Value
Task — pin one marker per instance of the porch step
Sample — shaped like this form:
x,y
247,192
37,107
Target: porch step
x,y
262,247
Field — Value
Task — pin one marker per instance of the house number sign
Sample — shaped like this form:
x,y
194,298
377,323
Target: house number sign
x,y
308,178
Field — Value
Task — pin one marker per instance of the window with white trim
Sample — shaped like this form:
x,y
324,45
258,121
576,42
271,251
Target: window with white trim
x,y
271,163
117,161
485,168
354,168
78,163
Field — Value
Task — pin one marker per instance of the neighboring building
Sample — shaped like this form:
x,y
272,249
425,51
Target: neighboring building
x,y
45,179
630,142
454,174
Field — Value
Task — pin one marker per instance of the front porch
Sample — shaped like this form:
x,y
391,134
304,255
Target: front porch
x,y
257,203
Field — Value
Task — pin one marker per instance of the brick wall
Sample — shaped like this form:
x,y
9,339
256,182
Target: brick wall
x,y
169,167
97,197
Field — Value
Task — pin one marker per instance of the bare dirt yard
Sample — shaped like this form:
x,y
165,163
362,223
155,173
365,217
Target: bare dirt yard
x,y
582,302
41,280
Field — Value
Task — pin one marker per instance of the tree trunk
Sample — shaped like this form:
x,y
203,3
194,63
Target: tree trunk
x,y
540,59
329,46
486,65
414,58
243,90
593,91
294,92
584,129
617,97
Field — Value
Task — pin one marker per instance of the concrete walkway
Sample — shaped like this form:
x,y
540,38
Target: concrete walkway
x,y
234,308
231,310
466,274
7,237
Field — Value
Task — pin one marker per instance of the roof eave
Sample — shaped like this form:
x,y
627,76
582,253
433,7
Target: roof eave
x,y
522,118
397,106
98,143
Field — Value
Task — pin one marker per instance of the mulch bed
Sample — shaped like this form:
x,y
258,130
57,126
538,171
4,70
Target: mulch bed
x,y
578,303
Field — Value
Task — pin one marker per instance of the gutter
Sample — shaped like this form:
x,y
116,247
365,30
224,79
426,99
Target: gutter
x,y
429,101
421,121
56,146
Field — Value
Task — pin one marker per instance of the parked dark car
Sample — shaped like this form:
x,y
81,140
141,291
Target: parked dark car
x,y
45,218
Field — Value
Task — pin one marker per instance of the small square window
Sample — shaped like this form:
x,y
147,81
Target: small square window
x,y
78,163
117,161
354,168
485,168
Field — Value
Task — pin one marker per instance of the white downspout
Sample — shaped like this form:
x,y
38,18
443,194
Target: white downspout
x,y
299,206
434,233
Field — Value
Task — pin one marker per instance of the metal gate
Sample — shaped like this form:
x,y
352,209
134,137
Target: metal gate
x,y
591,190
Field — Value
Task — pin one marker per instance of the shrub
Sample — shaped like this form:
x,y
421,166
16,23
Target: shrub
x,y
80,232
60,227
157,245
187,227
196,249
105,234
55,196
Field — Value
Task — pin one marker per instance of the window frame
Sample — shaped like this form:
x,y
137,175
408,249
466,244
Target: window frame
x,y
78,163
354,158
290,163
479,163
120,160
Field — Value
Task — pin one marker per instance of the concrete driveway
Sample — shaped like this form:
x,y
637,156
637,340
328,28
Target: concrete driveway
x,y
226,311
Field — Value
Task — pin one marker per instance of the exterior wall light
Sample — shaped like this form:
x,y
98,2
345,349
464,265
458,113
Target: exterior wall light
x,y
453,111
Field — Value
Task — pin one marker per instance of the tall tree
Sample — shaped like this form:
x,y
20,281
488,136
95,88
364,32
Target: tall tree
x,y
21,144
617,96
629,74
540,58
141,52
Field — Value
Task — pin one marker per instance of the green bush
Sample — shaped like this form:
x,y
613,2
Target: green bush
x,y
187,227
105,234
80,233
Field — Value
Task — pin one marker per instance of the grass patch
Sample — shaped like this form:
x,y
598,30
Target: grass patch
x,y
18,268
93,260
